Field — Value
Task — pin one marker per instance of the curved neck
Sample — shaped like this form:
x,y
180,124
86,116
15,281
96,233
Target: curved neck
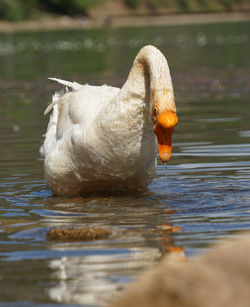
x,y
150,77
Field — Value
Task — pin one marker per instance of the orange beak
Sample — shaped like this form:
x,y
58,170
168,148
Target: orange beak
x,y
166,121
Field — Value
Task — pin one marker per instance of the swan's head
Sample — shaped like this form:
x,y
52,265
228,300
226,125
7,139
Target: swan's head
x,y
163,114
152,63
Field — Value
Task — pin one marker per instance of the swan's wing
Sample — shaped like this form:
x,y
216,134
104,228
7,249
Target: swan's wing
x,y
79,107
55,99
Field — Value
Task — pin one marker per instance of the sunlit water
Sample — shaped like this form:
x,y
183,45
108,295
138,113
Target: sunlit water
x,y
204,191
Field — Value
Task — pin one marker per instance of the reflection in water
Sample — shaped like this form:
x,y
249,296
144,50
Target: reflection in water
x,y
201,196
106,266
94,279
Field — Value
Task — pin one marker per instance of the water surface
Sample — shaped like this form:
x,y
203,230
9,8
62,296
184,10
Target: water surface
x,y
204,191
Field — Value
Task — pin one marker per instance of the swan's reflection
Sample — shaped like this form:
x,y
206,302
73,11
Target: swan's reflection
x,y
93,280
104,267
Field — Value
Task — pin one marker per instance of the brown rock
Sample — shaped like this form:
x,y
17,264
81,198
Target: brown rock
x,y
77,234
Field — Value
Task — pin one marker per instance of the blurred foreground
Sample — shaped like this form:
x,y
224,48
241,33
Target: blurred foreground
x,y
219,278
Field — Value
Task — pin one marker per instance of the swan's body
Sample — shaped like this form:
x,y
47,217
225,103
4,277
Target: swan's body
x,y
101,138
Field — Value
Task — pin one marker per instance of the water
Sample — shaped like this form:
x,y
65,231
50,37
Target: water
x,y
204,190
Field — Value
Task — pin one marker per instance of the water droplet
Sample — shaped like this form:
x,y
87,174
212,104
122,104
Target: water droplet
x,y
166,170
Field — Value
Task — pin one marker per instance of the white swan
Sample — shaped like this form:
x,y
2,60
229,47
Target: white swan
x,y
102,138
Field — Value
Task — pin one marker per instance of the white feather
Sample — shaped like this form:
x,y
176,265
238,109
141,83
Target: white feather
x,y
74,85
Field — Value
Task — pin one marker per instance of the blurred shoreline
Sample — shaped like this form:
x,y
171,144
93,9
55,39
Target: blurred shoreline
x,y
55,22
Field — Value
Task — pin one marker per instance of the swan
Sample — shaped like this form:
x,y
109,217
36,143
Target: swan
x,y
103,138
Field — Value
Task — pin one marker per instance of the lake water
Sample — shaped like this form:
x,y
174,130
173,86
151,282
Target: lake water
x,y
204,192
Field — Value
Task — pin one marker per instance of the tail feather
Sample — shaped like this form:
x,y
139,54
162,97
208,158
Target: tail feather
x,y
55,100
73,85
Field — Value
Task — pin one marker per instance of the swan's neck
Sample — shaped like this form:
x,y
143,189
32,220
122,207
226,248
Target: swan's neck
x,y
150,79
132,113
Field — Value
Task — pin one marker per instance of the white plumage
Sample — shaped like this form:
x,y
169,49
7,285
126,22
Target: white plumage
x,y
101,138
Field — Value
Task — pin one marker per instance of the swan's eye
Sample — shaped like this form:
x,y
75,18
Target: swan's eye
x,y
155,110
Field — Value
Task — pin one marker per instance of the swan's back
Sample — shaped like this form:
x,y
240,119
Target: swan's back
x,y
78,107
82,106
